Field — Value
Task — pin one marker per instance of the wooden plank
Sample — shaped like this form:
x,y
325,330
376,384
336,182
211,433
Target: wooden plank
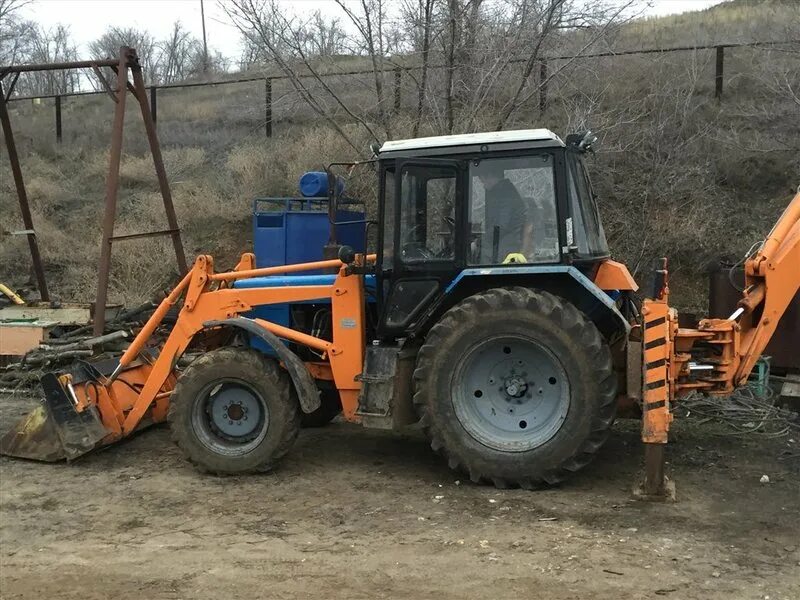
x,y
18,338
66,314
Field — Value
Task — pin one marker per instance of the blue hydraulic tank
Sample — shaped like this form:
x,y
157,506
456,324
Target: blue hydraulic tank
x,y
295,230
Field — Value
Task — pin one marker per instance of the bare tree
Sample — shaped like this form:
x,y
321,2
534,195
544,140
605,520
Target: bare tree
x,y
485,54
369,21
176,53
420,15
281,38
108,45
45,46
324,37
14,31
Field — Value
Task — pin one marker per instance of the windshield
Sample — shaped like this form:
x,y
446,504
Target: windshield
x,y
589,237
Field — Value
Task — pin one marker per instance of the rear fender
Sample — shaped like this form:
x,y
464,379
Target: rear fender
x,y
304,385
563,280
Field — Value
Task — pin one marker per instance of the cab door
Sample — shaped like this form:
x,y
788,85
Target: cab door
x,y
421,240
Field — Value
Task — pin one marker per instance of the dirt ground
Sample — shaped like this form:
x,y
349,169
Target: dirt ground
x,y
362,514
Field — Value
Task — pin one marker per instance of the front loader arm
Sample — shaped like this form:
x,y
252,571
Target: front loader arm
x,y
94,405
208,297
193,285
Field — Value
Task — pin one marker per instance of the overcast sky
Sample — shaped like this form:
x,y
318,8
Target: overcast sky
x,y
87,19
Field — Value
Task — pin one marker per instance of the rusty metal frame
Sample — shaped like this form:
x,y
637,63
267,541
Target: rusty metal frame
x,y
127,61
22,194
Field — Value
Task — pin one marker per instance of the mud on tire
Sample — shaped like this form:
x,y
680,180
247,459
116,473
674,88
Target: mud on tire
x,y
234,411
550,326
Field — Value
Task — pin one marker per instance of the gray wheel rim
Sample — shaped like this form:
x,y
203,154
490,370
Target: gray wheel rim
x,y
510,393
230,417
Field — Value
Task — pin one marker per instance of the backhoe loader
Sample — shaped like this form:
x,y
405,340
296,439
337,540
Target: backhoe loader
x,y
490,311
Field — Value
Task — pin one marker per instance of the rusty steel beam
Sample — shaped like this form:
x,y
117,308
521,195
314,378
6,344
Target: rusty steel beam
x,y
112,191
140,93
24,207
11,87
58,120
79,64
654,480
102,79
146,234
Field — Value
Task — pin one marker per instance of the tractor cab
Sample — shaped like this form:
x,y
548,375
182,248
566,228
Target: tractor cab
x,y
503,203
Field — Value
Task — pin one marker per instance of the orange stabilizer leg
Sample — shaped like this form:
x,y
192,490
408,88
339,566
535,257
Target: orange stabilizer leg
x,y
656,417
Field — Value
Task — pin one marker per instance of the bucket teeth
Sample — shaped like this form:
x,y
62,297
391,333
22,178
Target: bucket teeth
x,y
55,430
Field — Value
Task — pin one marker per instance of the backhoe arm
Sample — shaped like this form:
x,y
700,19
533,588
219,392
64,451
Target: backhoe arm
x,y
772,278
717,356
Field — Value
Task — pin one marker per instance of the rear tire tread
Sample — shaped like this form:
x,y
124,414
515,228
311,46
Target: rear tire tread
x,y
469,313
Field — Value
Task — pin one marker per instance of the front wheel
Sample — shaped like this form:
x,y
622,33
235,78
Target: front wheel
x,y
234,411
516,387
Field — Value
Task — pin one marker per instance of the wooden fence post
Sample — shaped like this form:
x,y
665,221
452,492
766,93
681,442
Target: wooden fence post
x,y
58,119
268,106
718,73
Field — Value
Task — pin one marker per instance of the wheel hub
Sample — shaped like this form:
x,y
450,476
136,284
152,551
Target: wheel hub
x,y
234,412
516,387
510,393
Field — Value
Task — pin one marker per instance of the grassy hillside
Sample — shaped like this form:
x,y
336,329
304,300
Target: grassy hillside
x,y
678,173
733,21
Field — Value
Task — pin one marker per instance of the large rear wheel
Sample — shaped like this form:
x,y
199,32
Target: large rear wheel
x,y
234,411
515,387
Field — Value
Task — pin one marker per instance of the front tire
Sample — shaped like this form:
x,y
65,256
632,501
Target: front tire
x,y
515,387
234,411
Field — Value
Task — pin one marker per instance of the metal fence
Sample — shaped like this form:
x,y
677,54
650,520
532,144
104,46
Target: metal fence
x,y
397,74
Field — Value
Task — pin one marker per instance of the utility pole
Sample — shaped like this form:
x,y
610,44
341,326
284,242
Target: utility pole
x,y
205,43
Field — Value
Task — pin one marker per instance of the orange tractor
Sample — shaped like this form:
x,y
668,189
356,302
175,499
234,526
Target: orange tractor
x,y
491,312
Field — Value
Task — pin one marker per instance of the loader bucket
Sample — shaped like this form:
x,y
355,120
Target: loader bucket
x,y
55,430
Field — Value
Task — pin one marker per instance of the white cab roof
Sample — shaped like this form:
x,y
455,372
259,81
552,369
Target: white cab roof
x,y
468,139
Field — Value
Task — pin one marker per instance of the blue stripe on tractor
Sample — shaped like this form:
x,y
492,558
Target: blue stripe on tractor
x,y
604,297
281,313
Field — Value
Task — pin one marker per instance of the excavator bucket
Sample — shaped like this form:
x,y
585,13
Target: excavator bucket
x,y
55,430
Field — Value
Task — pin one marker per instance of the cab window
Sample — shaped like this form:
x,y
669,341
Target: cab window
x,y
388,219
427,213
512,211
588,234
